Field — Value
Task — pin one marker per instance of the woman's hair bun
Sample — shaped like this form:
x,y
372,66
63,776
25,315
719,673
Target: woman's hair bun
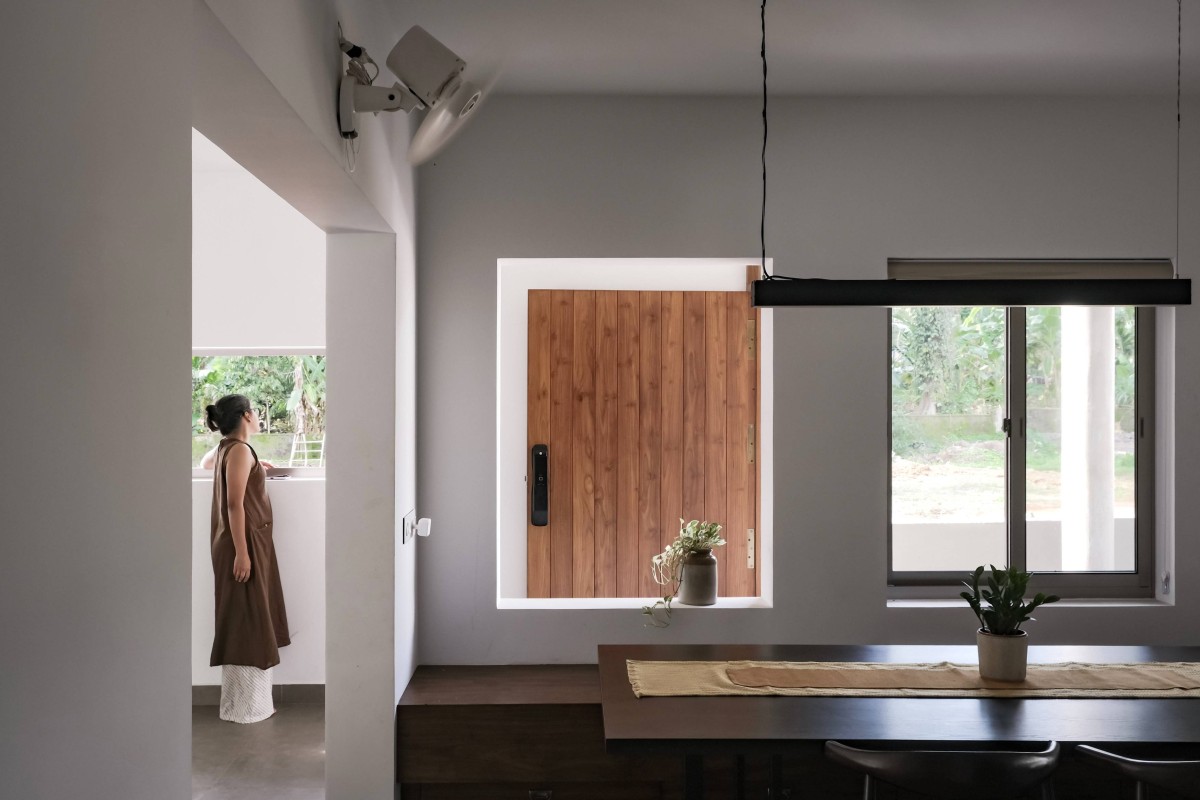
x,y
210,418
225,415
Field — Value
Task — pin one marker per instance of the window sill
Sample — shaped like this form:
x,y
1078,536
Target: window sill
x,y
627,603
207,478
1082,602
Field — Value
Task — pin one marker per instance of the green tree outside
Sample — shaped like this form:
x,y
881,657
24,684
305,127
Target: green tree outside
x,y
287,391
948,397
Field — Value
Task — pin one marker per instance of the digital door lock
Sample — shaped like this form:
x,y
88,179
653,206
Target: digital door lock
x,y
539,514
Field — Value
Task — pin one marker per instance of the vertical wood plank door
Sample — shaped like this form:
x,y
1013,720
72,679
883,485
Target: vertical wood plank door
x,y
562,456
537,556
648,404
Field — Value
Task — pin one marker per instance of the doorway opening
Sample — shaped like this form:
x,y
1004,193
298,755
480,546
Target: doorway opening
x,y
258,329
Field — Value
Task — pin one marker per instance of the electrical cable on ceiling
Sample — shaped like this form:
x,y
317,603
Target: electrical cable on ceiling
x,y
1178,117
820,292
762,221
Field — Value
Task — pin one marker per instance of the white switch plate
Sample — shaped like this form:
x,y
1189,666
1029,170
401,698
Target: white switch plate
x,y
409,528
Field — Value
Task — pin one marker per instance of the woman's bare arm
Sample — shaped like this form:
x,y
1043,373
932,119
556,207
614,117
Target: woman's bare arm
x,y
238,463
210,458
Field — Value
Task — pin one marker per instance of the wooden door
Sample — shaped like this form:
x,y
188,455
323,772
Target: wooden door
x,y
648,404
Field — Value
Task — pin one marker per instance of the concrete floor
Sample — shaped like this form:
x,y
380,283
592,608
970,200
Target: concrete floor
x,y
281,758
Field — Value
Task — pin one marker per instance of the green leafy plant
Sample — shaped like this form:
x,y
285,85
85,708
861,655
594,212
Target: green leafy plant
x,y
667,566
1005,598
287,390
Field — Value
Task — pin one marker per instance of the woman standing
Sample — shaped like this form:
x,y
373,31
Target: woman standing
x,y
250,616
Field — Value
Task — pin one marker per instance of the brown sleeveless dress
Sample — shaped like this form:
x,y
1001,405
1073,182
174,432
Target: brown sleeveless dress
x,y
251,619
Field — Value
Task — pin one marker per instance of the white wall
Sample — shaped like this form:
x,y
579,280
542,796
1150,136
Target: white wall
x,y
299,508
267,74
852,182
361,487
94,316
258,265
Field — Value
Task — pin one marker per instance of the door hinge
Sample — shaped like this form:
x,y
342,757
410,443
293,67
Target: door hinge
x,y
750,443
751,337
750,548
1006,426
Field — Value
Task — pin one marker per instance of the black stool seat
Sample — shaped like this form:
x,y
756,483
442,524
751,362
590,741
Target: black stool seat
x,y
1181,777
953,774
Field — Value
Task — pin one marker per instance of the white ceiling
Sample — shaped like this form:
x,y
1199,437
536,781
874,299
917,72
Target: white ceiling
x,y
816,46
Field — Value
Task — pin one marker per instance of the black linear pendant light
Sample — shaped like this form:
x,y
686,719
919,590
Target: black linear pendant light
x,y
1029,283
971,292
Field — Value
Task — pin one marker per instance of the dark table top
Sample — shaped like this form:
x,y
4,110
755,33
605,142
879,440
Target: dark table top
x,y
776,724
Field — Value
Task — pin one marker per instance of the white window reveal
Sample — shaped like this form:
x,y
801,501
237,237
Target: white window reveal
x,y
591,286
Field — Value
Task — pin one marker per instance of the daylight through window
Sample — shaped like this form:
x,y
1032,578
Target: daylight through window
x,y
287,390
1021,436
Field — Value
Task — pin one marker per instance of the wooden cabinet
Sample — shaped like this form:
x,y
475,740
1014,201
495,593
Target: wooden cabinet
x,y
533,790
513,743
517,732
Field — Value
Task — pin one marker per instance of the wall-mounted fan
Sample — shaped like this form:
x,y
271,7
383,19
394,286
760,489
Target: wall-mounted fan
x,y
431,77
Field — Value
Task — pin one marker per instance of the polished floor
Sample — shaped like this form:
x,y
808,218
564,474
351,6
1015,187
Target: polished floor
x,y
281,758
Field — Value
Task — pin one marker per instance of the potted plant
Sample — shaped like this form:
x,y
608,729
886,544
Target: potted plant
x,y
1003,646
688,568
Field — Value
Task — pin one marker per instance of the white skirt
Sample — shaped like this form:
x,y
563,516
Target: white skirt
x,y
246,694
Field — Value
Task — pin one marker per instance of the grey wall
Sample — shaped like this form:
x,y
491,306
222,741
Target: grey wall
x,y
95,320
852,182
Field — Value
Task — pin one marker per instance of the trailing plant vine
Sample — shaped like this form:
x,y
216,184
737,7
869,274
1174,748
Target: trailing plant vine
x,y
667,566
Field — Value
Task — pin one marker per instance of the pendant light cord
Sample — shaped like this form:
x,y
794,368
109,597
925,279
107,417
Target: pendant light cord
x,y
762,220
1178,118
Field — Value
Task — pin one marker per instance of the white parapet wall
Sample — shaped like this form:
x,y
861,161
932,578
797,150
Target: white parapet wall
x,y
958,545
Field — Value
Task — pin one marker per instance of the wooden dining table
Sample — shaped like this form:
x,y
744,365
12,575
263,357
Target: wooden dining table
x,y
692,727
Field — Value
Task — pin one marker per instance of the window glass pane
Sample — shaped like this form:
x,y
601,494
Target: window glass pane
x,y
287,391
1080,389
948,456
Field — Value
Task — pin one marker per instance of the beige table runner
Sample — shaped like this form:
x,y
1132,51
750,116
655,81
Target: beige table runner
x,y
853,679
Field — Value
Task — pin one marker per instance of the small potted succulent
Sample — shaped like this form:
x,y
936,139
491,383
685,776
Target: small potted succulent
x,y
1003,646
688,568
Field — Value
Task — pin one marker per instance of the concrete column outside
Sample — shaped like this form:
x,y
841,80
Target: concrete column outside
x,y
1087,403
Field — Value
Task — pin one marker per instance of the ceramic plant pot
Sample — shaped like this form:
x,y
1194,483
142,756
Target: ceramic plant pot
x,y
1002,658
698,583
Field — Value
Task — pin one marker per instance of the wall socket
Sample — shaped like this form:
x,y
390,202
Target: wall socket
x,y
408,528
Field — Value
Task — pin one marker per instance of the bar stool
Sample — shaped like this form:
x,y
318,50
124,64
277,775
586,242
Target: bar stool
x,y
952,774
1181,777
